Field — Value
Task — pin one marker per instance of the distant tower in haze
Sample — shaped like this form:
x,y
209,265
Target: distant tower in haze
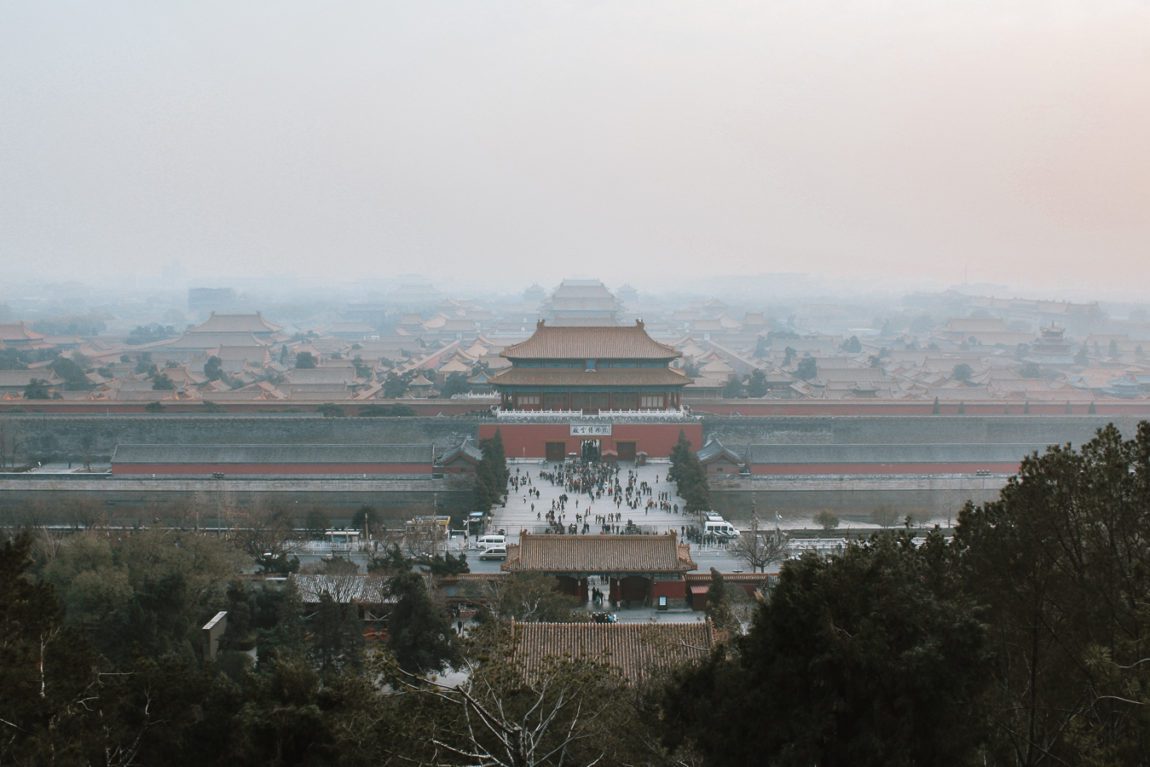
x,y
581,303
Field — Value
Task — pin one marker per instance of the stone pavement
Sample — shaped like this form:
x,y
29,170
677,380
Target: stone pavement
x,y
518,515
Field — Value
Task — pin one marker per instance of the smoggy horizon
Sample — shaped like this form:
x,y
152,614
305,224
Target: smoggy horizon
x,y
505,144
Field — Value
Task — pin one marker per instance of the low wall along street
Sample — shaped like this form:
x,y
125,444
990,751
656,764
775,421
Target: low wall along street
x,y
130,502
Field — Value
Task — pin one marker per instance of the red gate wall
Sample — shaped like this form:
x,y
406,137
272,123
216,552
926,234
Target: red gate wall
x,y
529,440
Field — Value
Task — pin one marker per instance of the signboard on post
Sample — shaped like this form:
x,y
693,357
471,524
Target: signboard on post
x,y
590,430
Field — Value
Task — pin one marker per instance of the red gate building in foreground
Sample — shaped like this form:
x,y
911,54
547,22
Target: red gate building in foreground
x,y
590,370
610,387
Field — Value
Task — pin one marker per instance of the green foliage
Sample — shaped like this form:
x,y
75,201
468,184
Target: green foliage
x,y
365,519
37,388
419,630
962,372
71,372
145,594
491,475
305,361
161,382
757,384
762,347
213,368
45,669
827,520
1061,564
869,658
83,325
719,606
330,410
447,564
11,359
456,383
808,369
146,334
395,386
689,476
734,388
336,633
317,522
852,345
144,364
154,407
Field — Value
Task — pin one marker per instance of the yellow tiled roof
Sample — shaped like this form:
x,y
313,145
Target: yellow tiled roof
x,y
622,342
603,377
635,649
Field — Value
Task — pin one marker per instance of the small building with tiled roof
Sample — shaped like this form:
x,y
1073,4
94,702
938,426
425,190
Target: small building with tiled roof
x,y
641,569
638,651
461,459
717,459
17,335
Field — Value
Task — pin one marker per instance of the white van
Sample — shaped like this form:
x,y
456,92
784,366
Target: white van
x,y
487,541
720,529
494,552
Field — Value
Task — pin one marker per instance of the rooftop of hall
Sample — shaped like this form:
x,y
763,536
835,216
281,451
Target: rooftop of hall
x,y
591,342
236,323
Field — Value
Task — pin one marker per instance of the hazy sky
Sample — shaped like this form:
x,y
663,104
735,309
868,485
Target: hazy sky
x,y
997,140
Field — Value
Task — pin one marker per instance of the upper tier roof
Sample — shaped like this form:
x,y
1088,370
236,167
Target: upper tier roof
x,y
577,343
236,323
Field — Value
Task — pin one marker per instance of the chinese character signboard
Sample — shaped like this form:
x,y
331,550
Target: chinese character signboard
x,y
590,430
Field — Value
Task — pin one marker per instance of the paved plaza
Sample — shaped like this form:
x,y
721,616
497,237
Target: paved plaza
x,y
518,514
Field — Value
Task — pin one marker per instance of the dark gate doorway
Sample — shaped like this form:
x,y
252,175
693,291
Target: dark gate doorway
x,y
626,450
590,452
556,451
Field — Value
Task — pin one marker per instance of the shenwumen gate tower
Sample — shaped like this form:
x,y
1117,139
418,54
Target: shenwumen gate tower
x,y
610,386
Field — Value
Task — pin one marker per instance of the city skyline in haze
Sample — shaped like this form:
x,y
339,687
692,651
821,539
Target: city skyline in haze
x,y
503,144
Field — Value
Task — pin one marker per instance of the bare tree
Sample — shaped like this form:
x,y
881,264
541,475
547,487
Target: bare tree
x,y
758,547
423,538
884,516
264,533
559,715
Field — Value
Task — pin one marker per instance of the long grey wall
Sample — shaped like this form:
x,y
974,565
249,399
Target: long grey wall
x,y
73,437
32,437
737,433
